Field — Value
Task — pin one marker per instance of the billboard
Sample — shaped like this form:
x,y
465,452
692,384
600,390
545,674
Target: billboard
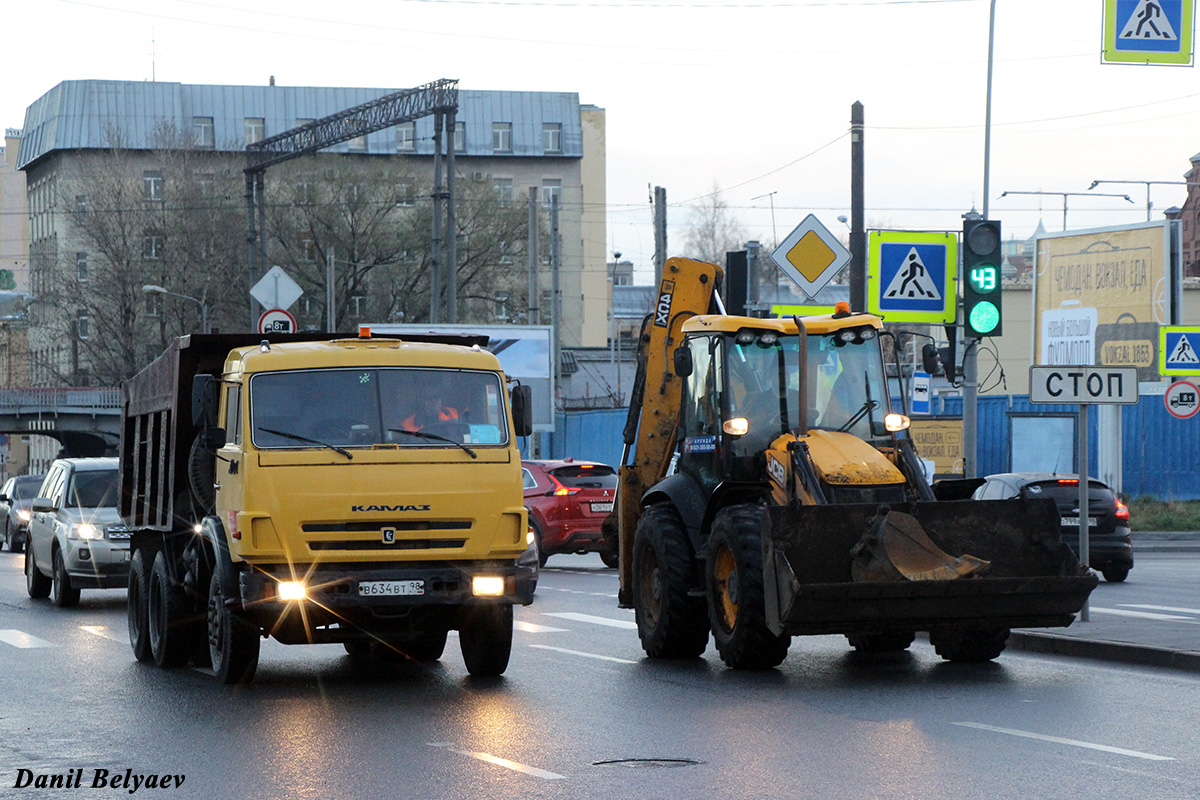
x,y
1100,295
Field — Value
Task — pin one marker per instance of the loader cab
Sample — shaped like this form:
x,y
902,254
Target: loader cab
x,y
743,388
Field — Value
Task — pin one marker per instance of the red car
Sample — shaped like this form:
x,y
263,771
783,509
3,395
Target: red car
x,y
568,501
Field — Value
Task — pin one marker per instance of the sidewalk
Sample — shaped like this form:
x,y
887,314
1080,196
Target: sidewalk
x,y
1124,639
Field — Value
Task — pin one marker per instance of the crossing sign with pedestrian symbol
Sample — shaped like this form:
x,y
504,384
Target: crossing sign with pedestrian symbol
x,y
1148,31
911,276
1177,350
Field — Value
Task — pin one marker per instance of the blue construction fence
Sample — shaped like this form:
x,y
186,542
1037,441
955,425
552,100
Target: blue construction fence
x,y
1160,453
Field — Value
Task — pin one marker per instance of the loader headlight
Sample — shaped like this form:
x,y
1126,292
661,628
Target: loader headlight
x,y
896,422
738,426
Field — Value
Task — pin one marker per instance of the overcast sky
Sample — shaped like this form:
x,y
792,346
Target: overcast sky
x,y
752,97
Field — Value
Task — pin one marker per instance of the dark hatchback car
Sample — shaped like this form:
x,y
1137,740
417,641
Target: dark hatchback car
x,y
1110,550
15,497
568,501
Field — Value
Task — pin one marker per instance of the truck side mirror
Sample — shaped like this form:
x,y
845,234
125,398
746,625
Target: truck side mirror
x,y
683,361
204,401
522,410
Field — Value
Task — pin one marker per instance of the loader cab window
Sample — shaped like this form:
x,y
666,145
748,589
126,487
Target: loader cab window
x,y
759,369
701,417
846,386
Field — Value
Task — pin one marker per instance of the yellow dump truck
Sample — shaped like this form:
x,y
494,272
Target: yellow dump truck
x,y
355,490
767,490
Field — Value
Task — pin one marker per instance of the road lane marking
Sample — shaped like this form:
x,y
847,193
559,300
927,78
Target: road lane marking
x,y
533,627
22,640
583,654
1117,612
609,621
1059,740
516,766
1162,608
107,633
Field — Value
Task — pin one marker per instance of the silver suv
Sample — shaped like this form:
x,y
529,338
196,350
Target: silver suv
x,y
77,538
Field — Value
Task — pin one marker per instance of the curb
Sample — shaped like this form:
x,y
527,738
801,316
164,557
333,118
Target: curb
x,y
1106,651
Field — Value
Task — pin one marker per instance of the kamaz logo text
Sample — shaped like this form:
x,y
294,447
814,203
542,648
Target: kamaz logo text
x,y
662,312
390,508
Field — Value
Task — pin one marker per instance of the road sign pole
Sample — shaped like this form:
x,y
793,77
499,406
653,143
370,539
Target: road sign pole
x,y
1084,527
858,244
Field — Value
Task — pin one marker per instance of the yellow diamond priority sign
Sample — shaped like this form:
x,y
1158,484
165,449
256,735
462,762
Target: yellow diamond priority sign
x,y
811,256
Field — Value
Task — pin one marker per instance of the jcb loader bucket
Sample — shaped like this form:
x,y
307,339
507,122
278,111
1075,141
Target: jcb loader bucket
x,y
1031,579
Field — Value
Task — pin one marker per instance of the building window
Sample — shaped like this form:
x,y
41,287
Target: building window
x,y
552,137
152,311
460,137
152,185
504,190
203,133
302,121
81,203
501,137
152,246
406,137
256,129
501,305
551,187
81,270
81,326
406,195
205,184
308,249
358,144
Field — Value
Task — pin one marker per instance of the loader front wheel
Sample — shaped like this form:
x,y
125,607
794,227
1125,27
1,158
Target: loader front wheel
x,y
736,606
671,622
969,646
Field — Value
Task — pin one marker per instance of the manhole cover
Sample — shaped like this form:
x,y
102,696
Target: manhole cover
x,y
635,763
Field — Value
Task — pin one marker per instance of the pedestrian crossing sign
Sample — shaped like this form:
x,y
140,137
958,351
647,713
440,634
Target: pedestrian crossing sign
x,y
1177,350
911,276
1148,31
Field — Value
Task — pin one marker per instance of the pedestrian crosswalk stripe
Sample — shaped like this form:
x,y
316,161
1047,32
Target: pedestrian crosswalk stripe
x,y
608,621
1149,22
912,280
531,627
106,632
22,640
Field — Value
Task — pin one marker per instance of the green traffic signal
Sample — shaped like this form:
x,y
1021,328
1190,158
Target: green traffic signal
x,y
984,317
982,293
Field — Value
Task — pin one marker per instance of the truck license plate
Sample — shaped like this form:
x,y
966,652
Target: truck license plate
x,y
1073,522
390,588
598,507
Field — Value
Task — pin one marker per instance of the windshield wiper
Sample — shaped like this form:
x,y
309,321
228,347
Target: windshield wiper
x,y
870,405
297,437
406,432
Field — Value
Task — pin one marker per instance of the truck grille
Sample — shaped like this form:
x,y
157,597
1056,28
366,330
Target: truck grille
x,y
367,526
399,544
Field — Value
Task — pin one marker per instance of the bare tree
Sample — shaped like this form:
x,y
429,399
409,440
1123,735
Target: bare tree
x,y
712,230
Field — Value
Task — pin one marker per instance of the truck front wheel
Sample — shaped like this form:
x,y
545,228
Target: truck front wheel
x,y
736,604
233,642
485,636
671,622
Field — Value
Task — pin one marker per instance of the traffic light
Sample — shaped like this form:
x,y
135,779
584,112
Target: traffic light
x,y
981,277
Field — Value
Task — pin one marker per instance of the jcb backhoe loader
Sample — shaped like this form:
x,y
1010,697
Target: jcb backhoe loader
x,y
765,493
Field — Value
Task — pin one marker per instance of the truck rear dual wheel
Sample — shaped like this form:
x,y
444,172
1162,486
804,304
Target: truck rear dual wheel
x,y
171,634
137,607
969,646
233,642
672,623
736,604
485,636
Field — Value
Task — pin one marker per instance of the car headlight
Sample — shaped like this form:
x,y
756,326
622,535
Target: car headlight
x,y
24,515
84,530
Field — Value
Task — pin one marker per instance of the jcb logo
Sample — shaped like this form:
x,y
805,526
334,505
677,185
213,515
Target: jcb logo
x,y
662,312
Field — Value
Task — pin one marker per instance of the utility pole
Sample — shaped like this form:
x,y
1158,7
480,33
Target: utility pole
x,y
451,225
858,237
330,310
555,289
533,316
660,232
435,283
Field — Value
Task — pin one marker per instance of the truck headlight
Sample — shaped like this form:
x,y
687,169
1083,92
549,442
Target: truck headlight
x,y
487,586
291,590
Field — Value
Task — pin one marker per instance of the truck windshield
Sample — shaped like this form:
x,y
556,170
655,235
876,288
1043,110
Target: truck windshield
x,y
346,408
846,387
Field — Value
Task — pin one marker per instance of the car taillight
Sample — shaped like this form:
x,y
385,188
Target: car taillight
x,y
560,490
1122,510
1069,481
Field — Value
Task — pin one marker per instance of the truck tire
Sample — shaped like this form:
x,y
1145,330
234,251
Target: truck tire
x,y
735,592
890,642
166,609
37,584
969,646
671,623
233,642
423,649
610,558
137,609
485,636
65,595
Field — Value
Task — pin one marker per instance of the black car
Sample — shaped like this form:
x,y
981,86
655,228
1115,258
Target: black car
x,y
15,497
1110,550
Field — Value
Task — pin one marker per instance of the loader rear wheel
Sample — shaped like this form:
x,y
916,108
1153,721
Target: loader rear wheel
x,y
671,623
969,646
736,606
891,642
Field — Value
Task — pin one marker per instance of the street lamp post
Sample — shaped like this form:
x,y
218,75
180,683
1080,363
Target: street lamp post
x,y
1065,195
1147,185
150,288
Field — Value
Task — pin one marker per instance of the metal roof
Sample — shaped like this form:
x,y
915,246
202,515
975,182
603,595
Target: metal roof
x,y
90,113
